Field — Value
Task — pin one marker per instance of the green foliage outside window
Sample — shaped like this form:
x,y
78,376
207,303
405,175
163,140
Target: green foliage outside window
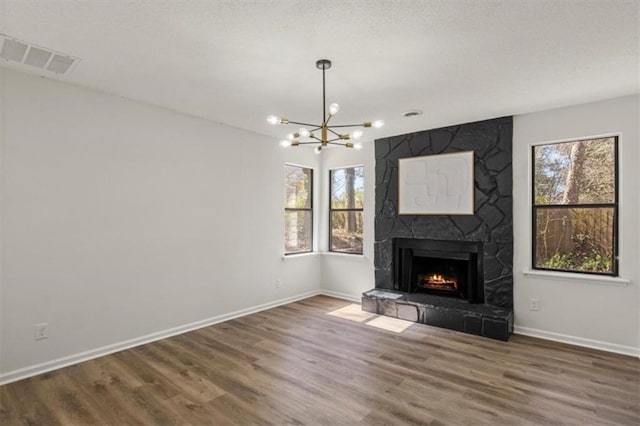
x,y
298,233
575,206
346,209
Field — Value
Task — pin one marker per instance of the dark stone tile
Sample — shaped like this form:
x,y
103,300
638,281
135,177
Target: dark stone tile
x,y
466,224
408,312
381,172
499,292
384,226
400,228
440,140
388,308
416,144
490,215
485,182
505,128
505,256
505,204
384,279
492,268
480,199
388,209
369,304
473,324
503,233
382,148
401,149
495,328
444,318
490,249
504,180
383,254
381,199
498,160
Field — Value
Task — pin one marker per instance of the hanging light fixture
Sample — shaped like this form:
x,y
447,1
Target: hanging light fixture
x,y
324,134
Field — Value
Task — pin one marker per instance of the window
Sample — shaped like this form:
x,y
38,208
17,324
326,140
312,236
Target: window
x,y
298,210
575,206
345,209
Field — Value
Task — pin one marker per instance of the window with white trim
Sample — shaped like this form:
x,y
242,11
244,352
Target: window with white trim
x,y
346,209
298,210
575,206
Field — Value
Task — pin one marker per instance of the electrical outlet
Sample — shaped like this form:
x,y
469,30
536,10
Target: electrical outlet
x,y
42,331
278,283
535,305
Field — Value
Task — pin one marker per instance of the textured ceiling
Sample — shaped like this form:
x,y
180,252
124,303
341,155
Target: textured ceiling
x,y
238,61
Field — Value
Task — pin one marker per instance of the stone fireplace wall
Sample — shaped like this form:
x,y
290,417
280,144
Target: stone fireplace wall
x,y
492,223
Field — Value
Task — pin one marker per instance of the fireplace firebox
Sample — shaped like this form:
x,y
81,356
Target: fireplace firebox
x,y
443,268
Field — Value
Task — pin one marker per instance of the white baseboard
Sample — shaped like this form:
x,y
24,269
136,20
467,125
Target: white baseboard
x,y
345,296
578,341
55,364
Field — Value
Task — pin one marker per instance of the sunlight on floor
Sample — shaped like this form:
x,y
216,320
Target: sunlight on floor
x,y
355,313
352,312
390,324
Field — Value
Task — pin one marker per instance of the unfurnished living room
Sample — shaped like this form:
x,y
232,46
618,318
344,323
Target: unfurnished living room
x,y
377,212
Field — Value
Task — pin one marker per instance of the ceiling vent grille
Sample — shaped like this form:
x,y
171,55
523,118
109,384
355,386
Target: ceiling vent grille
x,y
19,52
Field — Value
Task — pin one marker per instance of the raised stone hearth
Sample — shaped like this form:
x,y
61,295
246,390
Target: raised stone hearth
x,y
478,319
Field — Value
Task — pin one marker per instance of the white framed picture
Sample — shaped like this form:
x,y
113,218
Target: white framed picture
x,y
440,184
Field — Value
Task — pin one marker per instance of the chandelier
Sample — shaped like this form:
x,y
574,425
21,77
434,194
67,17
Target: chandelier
x,y
324,134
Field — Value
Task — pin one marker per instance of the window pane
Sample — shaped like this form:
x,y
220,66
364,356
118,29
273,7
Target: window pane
x,y
347,188
297,231
346,231
575,239
575,172
298,187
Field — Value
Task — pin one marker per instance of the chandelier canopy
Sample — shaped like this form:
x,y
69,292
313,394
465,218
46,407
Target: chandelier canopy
x,y
324,134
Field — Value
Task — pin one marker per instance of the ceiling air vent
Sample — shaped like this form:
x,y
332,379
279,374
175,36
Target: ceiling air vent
x,y
28,55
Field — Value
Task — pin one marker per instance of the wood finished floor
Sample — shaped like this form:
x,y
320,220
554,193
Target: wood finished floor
x,y
297,365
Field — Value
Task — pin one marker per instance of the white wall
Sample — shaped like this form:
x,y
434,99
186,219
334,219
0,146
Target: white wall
x,y
601,314
120,220
349,275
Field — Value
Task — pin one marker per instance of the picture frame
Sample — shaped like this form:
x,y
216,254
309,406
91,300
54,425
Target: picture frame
x,y
441,184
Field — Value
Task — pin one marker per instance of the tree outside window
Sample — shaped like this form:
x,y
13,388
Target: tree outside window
x,y
298,210
346,209
575,206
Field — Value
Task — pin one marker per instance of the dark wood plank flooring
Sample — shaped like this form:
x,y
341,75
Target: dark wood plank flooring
x,y
297,365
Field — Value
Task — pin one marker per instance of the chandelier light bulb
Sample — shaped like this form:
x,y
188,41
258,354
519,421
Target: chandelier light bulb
x,y
357,134
357,145
334,108
272,119
378,123
285,143
304,132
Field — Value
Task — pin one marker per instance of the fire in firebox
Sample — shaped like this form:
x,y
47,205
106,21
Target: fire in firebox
x,y
437,282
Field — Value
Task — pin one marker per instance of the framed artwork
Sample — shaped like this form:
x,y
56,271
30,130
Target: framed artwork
x,y
436,184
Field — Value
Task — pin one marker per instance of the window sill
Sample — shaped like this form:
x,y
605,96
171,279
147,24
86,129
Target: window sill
x,y
299,255
602,279
345,255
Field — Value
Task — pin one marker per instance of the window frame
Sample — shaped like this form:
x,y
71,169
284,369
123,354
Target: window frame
x,y
615,205
331,210
297,209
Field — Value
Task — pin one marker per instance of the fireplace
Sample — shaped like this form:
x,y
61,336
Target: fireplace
x,y
443,268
